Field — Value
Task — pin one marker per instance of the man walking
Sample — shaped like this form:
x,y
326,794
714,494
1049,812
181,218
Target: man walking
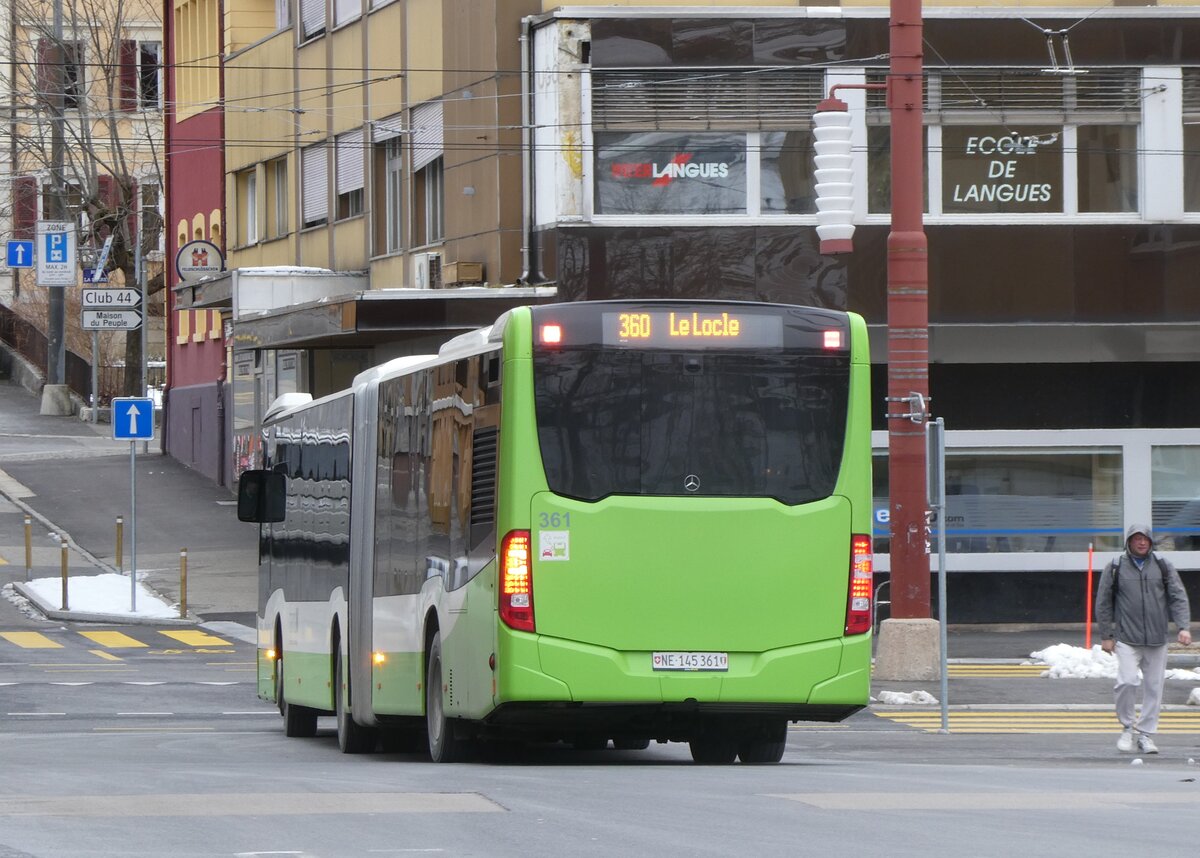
x,y
1139,594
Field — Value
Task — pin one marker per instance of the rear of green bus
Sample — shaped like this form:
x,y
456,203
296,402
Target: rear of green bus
x,y
684,510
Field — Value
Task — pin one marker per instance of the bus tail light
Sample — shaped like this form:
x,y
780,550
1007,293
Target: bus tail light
x,y
858,608
516,581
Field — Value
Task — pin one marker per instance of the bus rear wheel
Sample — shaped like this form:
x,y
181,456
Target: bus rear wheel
x,y
716,748
444,745
299,722
353,738
765,746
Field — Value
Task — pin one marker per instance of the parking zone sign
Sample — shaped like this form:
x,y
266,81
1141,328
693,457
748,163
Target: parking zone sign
x,y
56,256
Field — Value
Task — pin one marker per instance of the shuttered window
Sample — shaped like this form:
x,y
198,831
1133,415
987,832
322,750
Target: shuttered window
x,y
706,99
349,174
314,185
312,17
426,133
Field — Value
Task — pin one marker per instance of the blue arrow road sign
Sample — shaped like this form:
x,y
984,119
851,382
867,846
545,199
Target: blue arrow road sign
x,y
133,419
20,254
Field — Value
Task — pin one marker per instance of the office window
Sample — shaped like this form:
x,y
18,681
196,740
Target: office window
x,y
429,190
277,198
345,10
1001,502
247,200
1175,497
1106,165
426,135
349,174
389,194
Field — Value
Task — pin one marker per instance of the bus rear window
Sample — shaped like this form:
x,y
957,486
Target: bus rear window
x,y
709,423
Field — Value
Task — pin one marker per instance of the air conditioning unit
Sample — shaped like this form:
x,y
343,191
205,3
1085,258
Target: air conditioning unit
x,y
427,270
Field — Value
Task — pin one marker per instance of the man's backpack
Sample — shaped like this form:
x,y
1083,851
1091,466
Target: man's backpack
x,y
1116,567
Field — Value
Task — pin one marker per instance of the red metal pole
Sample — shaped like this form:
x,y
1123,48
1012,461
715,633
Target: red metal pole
x,y
908,315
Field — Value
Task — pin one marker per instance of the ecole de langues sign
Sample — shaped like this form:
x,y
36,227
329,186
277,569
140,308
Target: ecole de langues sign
x,y
1001,170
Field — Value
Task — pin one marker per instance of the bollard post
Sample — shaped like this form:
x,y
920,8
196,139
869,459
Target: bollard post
x,y
64,575
120,539
28,548
183,584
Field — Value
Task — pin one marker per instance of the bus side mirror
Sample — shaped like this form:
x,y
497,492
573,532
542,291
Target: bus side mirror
x,y
261,496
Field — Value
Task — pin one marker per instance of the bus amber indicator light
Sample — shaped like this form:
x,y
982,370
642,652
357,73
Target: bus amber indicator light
x,y
858,607
833,339
516,581
552,334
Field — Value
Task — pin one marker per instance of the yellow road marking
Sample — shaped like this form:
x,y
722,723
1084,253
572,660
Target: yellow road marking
x,y
1036,722
113,640
103,654
194,637
3,562
30,640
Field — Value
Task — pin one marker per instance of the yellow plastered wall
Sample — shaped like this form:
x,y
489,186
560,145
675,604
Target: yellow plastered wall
x,y
259,119
424,50
197,45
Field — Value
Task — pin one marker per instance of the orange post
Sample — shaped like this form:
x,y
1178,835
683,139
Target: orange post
x,y
1087,620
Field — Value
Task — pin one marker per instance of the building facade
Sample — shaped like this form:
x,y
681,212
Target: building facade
x,y
674,158
399,171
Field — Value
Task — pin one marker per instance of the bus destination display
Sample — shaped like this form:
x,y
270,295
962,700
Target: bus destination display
x,y
691,329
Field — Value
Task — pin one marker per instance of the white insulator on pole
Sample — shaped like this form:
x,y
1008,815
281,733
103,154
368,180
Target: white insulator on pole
x,y
834,176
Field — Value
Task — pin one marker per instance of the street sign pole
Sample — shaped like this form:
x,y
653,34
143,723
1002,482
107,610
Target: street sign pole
x,y
132,421
133,526
935,489
95,374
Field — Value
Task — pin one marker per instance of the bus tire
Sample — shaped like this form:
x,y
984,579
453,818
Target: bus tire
x,y
716,748
445,746
623,744
299,722
353,738
765,747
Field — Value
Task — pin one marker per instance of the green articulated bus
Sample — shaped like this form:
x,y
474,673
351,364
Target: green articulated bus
x,y
624,521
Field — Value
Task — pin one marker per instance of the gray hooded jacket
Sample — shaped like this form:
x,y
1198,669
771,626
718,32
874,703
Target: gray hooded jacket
x,y
1134,605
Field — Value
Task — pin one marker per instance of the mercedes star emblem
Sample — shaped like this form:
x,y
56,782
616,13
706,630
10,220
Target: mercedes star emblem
x,y
691,482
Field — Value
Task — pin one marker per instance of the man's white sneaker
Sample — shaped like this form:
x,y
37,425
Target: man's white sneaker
x,y
1146,745
1125,743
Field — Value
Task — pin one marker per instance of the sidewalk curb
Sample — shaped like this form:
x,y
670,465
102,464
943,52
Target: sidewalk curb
x,y
52,613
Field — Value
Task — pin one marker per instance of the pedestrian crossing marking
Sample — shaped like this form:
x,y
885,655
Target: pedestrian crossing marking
x,y
102,654
193,637
1042,721
30,640
113,640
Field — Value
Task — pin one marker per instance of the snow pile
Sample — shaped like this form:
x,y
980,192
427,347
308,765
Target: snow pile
x,y
97,594
1194,700
1074,662
912,698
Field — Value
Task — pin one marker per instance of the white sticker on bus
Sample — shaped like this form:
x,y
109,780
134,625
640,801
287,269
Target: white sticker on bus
x,y
554,545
